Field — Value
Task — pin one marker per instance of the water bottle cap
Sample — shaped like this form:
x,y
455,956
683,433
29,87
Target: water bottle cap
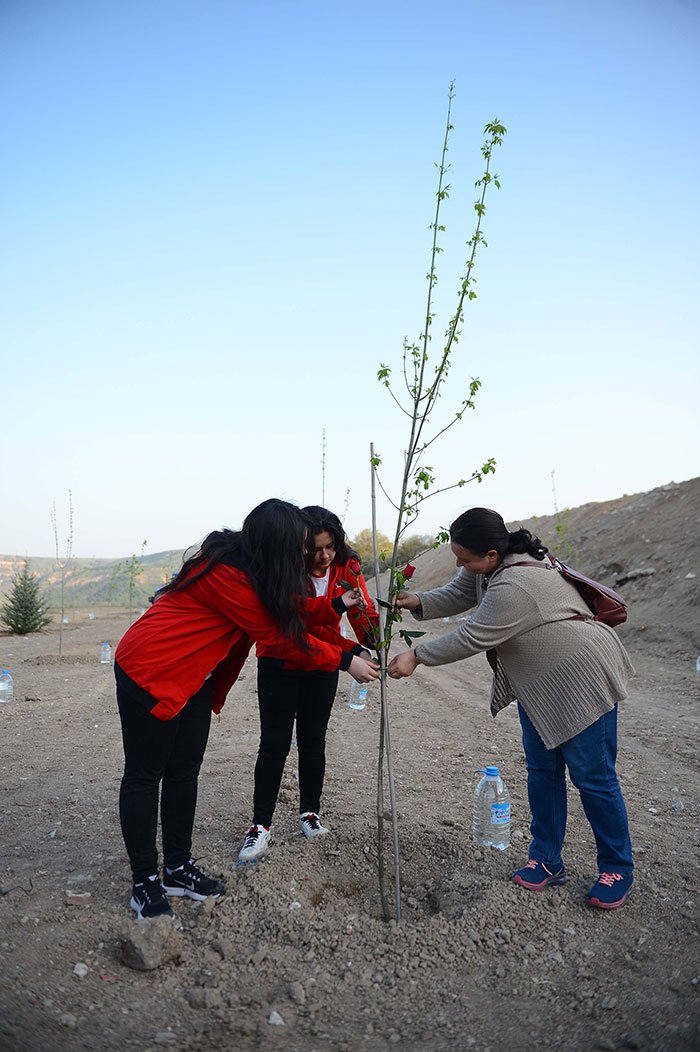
x,y
493,771
5,672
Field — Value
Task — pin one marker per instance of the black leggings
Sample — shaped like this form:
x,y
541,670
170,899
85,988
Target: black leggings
x,y
284,695
156,750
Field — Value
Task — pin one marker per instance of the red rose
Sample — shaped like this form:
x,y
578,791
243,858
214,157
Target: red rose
x,y
355,567
408,571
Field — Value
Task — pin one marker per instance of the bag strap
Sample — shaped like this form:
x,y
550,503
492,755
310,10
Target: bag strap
x,y
525,562
554,564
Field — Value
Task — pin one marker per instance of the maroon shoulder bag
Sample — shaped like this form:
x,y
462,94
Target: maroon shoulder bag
x,y
605,604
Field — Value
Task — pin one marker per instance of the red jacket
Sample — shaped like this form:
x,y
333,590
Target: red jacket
x,y
323,619
208,627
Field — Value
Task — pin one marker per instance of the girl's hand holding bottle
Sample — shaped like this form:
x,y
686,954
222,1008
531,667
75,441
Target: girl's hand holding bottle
x,y
363,671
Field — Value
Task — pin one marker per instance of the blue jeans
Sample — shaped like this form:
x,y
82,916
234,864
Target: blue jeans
x,y
590,757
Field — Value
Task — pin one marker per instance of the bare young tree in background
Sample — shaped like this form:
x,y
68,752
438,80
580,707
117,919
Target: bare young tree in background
x,y
63,563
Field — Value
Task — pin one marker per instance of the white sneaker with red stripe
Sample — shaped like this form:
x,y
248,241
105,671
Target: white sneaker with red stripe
x,y
257,840
310,825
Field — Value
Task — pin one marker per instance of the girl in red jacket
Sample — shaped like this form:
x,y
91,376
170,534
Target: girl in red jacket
x,y
288,691
178,662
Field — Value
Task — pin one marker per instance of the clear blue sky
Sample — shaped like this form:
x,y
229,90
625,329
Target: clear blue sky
x,y
214,224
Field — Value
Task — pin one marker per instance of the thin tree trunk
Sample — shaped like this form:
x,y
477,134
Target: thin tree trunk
x,y
384,743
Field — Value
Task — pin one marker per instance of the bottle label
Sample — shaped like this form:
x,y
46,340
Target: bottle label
x,y
500,814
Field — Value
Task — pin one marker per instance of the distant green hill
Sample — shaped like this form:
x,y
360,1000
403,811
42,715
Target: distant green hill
x,y
94,582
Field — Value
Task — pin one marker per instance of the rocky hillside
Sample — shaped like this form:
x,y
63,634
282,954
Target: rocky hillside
x,y
646,546
94,582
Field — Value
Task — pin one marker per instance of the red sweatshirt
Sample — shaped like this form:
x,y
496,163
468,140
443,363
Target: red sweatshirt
x,y
325,611
209,626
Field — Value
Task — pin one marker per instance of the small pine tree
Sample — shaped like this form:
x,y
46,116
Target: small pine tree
x,y
24,610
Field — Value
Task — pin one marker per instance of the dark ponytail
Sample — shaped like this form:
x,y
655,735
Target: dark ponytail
x,y
522,541
482,530
271,549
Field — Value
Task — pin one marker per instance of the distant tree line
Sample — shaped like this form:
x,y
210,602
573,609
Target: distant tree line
x,y
408,549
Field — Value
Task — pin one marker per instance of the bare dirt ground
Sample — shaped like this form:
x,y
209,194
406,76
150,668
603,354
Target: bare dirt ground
x,y
476,963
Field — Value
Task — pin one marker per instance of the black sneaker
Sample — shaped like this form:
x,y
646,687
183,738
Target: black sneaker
x,y
149,900
188,880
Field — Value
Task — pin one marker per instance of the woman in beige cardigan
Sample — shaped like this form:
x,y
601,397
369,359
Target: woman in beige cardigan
x,y
567,672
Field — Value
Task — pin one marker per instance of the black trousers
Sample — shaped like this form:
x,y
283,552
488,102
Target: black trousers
x,y
155,751
284,696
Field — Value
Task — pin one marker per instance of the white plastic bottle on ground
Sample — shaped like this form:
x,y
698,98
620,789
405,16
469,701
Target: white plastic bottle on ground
x,y
105,654
358,695
491,824
7,690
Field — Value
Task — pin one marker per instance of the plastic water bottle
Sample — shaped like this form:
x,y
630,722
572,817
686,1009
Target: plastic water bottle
x,y
91,615
697,665
491,824
105,654
358,695
344,631
7,690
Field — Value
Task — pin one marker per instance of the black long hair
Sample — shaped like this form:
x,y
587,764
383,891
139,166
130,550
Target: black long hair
x,y
271,548
324,521
482,530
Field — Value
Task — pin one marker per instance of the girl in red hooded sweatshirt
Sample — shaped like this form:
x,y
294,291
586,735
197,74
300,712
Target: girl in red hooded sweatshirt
x,y
178,662
286,691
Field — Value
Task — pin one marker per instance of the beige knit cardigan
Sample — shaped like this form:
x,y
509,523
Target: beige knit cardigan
x,y
566,674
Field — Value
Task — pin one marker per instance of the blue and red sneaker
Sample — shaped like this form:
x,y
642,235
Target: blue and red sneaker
x,y
610,891
535,876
